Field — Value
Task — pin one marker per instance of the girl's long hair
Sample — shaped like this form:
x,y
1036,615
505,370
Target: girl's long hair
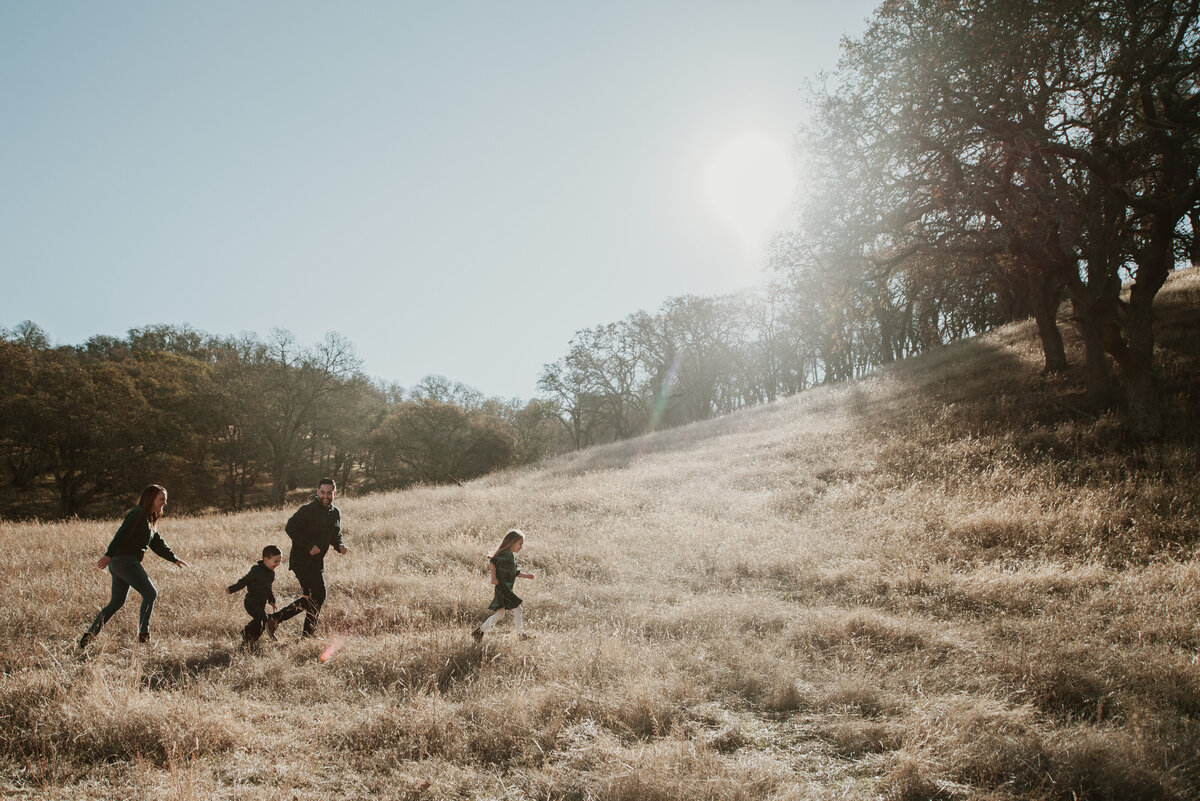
x,y
147,500
511,537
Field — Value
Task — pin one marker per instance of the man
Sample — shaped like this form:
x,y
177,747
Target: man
x,y
315,528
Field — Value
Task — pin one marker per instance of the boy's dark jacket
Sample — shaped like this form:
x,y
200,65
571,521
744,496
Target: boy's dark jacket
x,y
258,586
313,524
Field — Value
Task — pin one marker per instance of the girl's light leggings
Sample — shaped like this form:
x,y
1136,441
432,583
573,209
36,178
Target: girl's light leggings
x,y
500,616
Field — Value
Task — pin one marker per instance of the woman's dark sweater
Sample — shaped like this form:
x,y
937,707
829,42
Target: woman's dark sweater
x,y
135,535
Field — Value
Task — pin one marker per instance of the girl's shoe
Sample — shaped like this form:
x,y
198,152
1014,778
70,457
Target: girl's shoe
x,y
272,624
524,636
477,633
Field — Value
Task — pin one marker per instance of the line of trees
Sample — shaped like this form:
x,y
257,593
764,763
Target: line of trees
x,y
696,358
228,423
970,163
700,357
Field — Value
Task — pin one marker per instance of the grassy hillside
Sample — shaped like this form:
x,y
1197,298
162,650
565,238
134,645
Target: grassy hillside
x,y
945,581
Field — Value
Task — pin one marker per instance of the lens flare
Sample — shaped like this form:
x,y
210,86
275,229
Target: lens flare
x,y
332,648
664,397
664,394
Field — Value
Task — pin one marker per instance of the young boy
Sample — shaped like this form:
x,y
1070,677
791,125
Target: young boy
x,y
258,594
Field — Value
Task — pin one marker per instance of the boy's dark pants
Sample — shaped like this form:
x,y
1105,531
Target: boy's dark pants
x,y
258,621
312,584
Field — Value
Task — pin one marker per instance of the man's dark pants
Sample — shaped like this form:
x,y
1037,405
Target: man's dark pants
x,y
312,585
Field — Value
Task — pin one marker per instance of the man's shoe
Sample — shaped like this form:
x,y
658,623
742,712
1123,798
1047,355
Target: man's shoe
x,y
86,639
144,636
272,624
477,633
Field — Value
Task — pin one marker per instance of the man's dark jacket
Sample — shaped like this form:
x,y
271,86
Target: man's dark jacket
x,y
313,524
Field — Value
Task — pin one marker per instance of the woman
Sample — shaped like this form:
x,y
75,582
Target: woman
x,y
124,561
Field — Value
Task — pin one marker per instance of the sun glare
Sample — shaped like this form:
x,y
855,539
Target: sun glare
x,y
748,183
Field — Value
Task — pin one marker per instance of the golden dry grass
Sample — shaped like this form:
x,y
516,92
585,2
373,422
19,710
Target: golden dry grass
x,y
935,583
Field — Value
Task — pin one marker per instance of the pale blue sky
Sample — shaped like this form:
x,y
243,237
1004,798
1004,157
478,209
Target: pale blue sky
x,y
456,187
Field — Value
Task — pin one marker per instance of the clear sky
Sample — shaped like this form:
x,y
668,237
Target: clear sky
x,y
456,187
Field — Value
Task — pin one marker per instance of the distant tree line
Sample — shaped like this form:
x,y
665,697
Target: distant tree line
x,y
696,358
700,357
970,163
233,422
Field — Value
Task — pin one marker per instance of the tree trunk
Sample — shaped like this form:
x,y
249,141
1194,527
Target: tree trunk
x,y
281,463
1194,249
1097,374
1141,377
68,502
1044,298
1137,360
1144,405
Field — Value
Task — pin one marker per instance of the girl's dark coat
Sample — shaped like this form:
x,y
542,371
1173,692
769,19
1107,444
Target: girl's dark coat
x,y
506,576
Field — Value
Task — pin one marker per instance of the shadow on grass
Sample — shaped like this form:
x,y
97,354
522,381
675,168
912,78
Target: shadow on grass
x,y
170,672
461,664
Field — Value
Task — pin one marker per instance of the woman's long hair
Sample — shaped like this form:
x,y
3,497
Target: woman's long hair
x,y
147,500
511,537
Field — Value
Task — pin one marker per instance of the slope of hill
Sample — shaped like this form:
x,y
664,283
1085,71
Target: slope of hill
x,y
944,581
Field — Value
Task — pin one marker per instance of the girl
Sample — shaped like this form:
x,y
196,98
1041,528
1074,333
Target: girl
x,y
504,573
124,561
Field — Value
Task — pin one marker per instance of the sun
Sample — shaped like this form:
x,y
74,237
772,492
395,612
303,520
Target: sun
x,y
749,182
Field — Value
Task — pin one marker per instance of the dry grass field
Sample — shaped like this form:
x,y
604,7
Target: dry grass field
x,y
944,581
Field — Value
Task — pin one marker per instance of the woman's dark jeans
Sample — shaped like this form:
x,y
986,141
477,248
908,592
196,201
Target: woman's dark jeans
x,y
128,572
